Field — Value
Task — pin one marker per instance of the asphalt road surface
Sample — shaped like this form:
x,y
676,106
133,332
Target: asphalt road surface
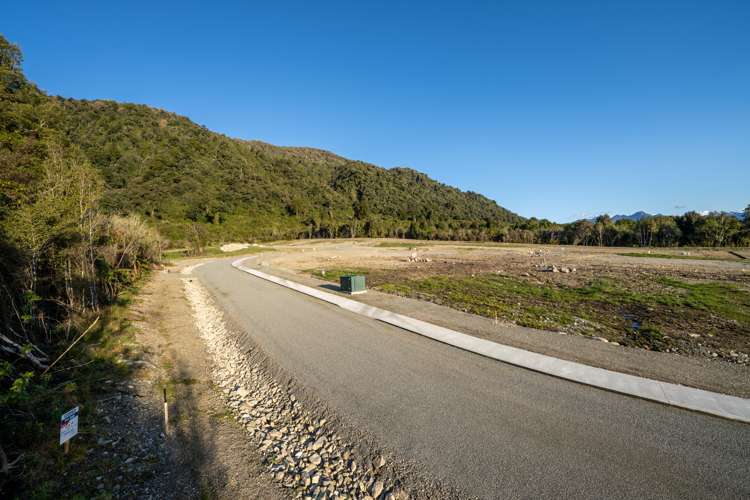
x,y
492,429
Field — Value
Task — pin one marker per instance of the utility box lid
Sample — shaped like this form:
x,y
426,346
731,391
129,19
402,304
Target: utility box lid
x,y
353,283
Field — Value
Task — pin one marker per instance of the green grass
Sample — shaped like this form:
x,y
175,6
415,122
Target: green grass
x,y
673,256
439,243
182,253
601,303
493,296
78,379
400,244
664,307
723,299
334,274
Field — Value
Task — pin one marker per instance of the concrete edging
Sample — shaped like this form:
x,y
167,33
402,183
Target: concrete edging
x,y
722,405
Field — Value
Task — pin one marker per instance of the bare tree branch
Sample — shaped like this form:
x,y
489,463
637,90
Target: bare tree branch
x,y
14,348
5,466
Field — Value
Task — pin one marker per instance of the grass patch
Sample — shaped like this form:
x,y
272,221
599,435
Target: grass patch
x,y
723,299
89,371
400,244
335,274
396,289
597,308
673,256
183,381
492,296
183,253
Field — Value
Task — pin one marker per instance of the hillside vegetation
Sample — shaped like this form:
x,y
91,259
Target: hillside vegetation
x,y
64,259
190,182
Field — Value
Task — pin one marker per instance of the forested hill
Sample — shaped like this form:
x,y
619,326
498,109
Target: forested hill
x,y
185,178
177,173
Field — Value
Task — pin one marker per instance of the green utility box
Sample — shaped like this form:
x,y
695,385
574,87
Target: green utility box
x,y
353,283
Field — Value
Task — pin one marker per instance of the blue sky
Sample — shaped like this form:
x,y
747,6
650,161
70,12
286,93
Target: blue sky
x,y
554,109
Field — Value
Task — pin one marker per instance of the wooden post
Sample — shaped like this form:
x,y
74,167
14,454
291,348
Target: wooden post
x,y
66,447
166,413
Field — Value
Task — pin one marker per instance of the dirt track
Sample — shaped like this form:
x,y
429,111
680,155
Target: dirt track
x,y
516,259
210,456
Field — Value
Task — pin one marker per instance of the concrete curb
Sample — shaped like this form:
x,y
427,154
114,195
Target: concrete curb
x,y
730,407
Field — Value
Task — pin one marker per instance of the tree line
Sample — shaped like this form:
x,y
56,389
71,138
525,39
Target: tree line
x,y
689,229
63,257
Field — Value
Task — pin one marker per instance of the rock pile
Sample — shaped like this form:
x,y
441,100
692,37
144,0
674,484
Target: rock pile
x,y
300,449
414,257
551,268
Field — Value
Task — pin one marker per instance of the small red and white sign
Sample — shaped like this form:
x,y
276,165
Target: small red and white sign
x,y
68,425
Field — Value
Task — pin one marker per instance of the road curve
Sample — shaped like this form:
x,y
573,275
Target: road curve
x,y
493,430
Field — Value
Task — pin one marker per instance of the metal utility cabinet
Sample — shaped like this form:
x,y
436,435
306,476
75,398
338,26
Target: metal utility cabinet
x,y
353,283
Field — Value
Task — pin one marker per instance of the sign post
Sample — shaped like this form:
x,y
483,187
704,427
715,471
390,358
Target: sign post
x,y
166,413
68,427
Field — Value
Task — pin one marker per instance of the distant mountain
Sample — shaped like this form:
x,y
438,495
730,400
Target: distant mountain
x,y
736,215
636,216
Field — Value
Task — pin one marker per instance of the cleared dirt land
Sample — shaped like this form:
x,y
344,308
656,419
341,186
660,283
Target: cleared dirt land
x,y
690,302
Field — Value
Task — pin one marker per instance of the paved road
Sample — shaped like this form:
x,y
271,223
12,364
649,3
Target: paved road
x,y
495,430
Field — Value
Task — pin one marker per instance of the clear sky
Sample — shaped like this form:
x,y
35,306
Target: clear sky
x,y
554,109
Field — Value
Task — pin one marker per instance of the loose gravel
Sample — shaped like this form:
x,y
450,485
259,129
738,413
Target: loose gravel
x,y
300,447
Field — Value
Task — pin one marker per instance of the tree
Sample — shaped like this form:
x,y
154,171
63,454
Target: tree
x,y
63,213
717,230
646,229
11,78
602,223
580,232
10,55
667,233
688,224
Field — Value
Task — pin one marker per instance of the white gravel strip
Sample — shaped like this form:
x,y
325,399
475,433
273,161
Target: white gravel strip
x,y
301,451
190,269
233,247
722,405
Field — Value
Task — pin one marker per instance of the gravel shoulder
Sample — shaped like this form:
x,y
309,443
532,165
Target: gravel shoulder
x,y
209,451
204,454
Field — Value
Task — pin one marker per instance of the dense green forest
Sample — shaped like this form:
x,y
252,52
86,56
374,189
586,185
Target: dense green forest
x,y
690,229
193,183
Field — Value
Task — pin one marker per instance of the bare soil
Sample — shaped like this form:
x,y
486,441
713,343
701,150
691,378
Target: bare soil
x,y
210,456
694,331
